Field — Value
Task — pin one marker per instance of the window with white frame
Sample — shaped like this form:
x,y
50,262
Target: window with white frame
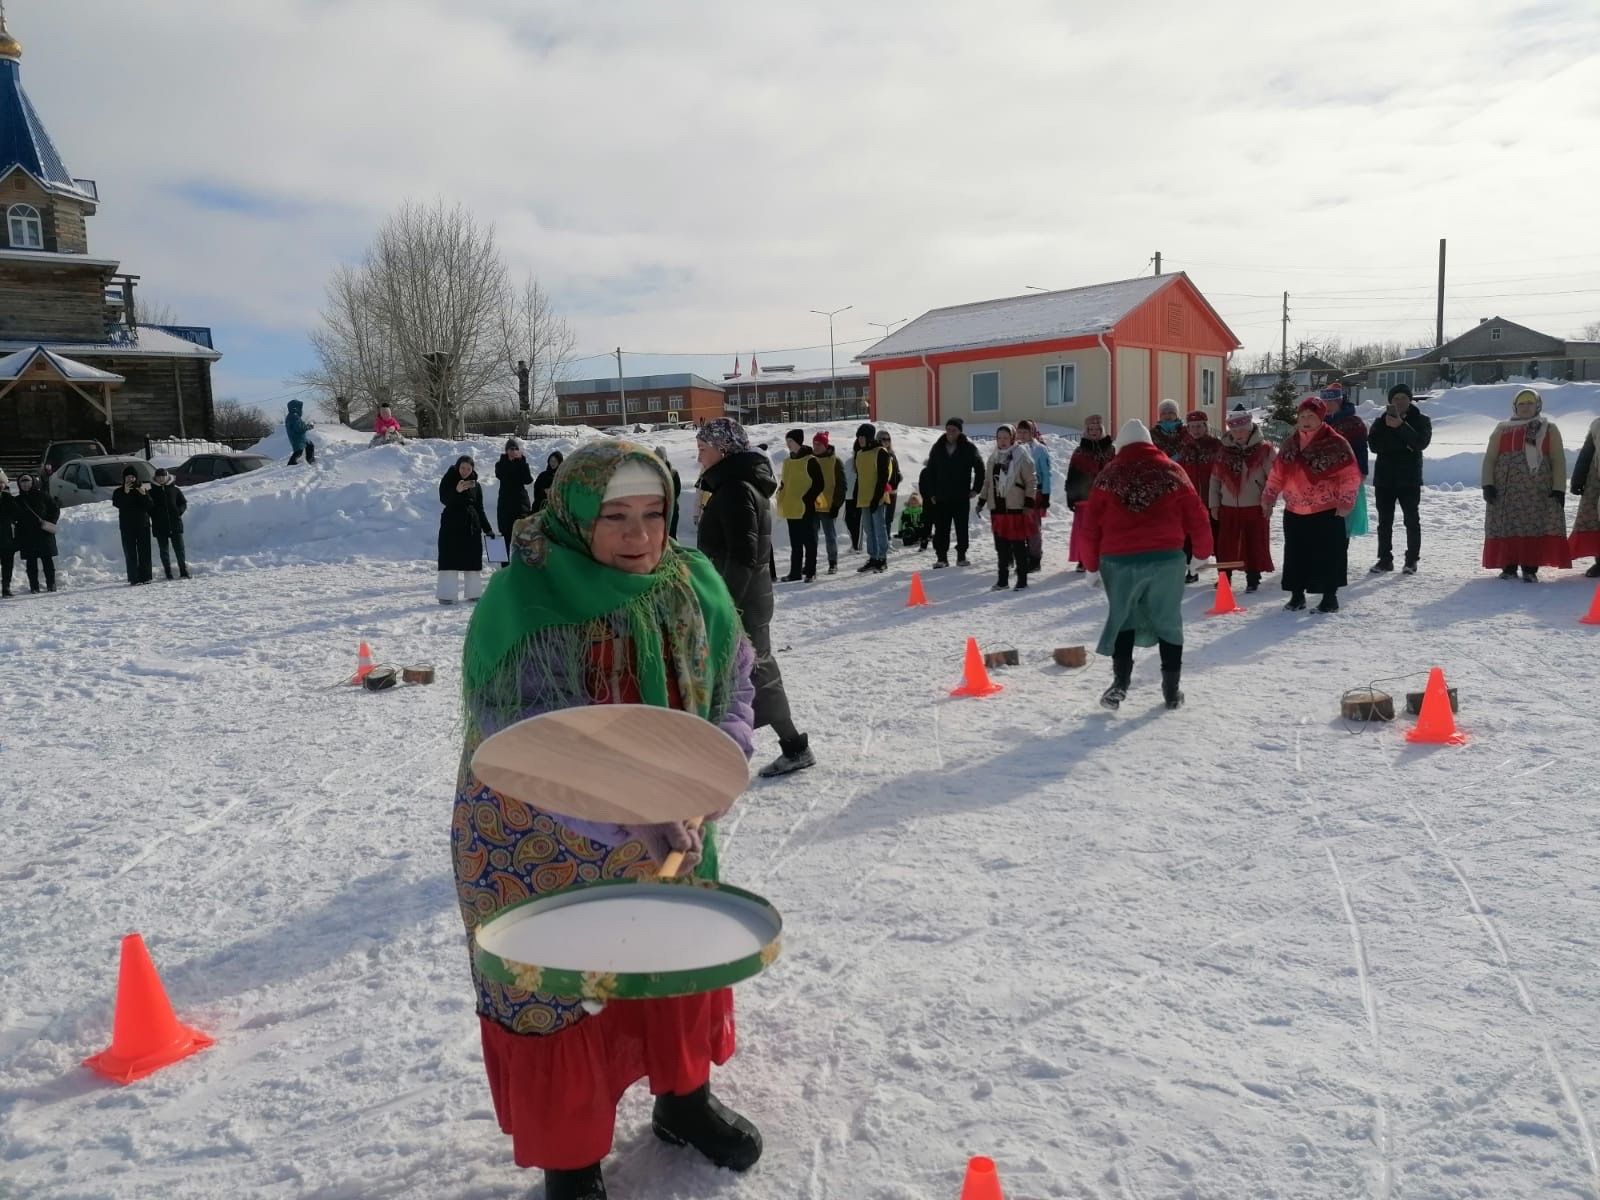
x,y
592,408
1387,379
1208,387
986,391
614,406
675,401
574,408
656,403
1060,385
811,394
27,230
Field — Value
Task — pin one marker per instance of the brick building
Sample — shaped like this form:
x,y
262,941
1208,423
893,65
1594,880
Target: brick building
x,y
81,309
641,400
776,395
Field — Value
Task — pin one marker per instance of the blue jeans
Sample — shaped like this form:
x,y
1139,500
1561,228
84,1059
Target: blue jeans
x,y
830,535
876,521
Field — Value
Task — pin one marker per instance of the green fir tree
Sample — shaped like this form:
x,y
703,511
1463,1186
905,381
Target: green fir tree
x,y
1284,399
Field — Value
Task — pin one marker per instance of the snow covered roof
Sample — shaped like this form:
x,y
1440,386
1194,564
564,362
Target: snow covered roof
x,y
147,340
634,383
1028,318
24,142
845,374
15,366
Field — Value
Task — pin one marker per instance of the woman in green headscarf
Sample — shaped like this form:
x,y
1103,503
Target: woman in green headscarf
x,y
598,606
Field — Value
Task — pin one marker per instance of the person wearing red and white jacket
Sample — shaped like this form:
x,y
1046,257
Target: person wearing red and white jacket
x,y
1317,476
1138,518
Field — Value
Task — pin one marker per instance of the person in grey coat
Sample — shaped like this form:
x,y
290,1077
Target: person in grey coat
x,y
736,535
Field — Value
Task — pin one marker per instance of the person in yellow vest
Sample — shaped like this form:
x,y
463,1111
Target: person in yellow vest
x,y
874,468
800,487
835,495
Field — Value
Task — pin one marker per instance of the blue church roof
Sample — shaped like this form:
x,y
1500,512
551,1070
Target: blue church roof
x,y
24,140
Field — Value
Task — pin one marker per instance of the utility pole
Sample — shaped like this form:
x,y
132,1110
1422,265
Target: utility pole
x,y
1438,331
1283,352
1158,262
833,376
622,388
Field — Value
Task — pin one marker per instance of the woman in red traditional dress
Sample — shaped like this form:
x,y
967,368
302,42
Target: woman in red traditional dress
x,y
1317,476
1094,451
1524,486
1238,482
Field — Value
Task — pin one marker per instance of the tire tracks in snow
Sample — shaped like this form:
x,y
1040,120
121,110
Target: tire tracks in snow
x,y
1569,1094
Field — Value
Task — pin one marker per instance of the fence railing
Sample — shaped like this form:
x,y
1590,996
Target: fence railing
x,y
184,447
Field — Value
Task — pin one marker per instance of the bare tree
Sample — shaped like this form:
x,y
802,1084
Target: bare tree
x,y
1591,332
531,331
437,286
233,421
357,366
150,310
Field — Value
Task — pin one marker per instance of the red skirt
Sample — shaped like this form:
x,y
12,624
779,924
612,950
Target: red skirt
x,y
1546,550
1013,526
1584,544
556,1095
1243,535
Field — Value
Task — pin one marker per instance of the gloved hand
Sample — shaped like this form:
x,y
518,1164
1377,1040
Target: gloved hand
x,y
1559,496
1093,578
661,840
1577,491
1490,493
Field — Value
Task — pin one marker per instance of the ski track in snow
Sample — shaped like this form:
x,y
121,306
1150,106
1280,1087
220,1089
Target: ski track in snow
x,y
1103,949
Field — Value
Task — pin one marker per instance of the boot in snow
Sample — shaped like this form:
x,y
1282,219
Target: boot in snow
x,y
582,1184
1330,603
796,756
1530,574
1594,571
1170,691
1297,603
704,1122
1114,695
1508,573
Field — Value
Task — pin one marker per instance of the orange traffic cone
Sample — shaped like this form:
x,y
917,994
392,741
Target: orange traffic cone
x,y
145,1036
918,598
976,681
1593,617
983,1181
1225,602
363,663
1436,724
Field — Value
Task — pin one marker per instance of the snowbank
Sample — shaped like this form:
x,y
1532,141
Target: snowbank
x,y
1464,417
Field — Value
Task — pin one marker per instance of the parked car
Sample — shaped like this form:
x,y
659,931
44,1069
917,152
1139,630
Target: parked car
x,y
57,453
203,468
85,480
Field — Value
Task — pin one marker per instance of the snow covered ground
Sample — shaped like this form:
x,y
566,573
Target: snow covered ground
x,y
1242,950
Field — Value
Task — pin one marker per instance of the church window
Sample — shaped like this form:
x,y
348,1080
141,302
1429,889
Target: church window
x,y
27,230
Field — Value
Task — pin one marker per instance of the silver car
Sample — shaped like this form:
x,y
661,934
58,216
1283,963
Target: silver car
x,y
85,480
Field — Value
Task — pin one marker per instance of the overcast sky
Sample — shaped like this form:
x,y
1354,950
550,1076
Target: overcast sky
x,y
692,176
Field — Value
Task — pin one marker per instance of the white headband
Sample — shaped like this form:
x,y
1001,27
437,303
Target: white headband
x,y
633,479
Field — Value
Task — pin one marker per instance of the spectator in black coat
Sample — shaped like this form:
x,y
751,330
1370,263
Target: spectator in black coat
x,y
8,536
736,535
36,515
677,491
1398,438
952,477
462,527
547,477
133,504
512,504
167,506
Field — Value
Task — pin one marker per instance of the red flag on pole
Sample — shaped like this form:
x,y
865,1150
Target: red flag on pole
x,y
753,368
736,366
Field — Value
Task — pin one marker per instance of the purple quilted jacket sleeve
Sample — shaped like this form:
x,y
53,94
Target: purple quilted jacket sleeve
x,y
739,723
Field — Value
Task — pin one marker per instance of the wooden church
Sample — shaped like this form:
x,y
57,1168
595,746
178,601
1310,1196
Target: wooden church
x,y
74,360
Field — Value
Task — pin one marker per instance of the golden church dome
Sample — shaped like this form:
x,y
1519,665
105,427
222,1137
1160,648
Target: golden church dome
x,y
9,46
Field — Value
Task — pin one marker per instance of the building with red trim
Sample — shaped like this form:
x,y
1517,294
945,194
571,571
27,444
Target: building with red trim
x,y
1112,349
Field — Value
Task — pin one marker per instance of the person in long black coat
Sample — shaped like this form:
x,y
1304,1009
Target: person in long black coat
x,y
462,527
512,504
736,535
168,504
34,510
8,536
1398,437
546,479
952,477
133,505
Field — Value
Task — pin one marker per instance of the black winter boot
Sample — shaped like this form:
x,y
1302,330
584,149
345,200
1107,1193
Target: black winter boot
x,y
1170,691
704,1122
1330,602
1297,602
796,756
582,1184
1114,695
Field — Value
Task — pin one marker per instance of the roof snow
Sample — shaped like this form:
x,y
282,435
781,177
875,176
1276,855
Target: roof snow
x,y
1028,318
14,366
147,341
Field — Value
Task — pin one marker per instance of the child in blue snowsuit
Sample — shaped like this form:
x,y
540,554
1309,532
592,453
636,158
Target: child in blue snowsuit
x,y
296,426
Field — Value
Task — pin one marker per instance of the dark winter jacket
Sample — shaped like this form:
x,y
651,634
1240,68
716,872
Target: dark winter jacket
x,y
167,506
541,488
1353,429
34,510
736,533
1400,450
1580,470
295,425
462,525
1088,460
514,475
133,509
8,522
677,495
953,474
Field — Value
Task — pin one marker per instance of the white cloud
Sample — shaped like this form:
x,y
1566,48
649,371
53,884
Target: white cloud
x,y
698,175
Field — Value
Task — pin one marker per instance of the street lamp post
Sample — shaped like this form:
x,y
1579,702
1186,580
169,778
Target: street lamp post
x,y
833,377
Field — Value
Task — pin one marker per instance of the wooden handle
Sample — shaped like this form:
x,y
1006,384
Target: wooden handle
x,y
674,863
